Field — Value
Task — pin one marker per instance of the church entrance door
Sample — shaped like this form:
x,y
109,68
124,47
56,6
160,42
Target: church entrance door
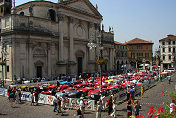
x,y
39,71
79,65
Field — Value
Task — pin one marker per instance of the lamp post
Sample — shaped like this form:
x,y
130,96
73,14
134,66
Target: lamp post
x,y
143,64
98,45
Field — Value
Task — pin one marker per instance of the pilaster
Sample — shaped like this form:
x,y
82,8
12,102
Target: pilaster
x,y
60,20
71,38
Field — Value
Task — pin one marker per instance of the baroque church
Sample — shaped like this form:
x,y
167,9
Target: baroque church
x,y
44,39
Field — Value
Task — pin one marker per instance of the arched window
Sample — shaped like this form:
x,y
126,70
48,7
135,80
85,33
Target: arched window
x,y
8,0
22,13
52,15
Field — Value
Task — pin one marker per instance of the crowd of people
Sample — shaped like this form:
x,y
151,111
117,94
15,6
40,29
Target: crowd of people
x,y
14,95
104,104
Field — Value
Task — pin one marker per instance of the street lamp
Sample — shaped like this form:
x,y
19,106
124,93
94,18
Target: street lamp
x,y
98,45
143,64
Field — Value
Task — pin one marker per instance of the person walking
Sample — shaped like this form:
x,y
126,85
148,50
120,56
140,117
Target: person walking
x,y
136,108
53,92
63,100
169,79
114,106
109,105
142,90
17,100
129,109
59,109
132,94
32,98
36,96
98,109
11,98
82,106
55,103
58,84
102,98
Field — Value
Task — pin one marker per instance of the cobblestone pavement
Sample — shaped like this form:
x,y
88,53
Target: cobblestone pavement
x,y
152,97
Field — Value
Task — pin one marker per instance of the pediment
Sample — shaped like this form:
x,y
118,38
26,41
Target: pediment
x,y
84,6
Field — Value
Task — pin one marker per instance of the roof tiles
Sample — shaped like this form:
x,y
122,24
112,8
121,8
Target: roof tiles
x,y
138,41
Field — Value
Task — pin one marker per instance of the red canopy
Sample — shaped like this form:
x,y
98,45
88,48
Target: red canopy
x,y
93,91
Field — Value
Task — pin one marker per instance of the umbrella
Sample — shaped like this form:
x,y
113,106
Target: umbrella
x,y
93,91
110,80
52,86
134,81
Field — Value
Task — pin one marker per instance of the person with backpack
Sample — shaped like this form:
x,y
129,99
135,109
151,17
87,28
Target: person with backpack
x,y
11,98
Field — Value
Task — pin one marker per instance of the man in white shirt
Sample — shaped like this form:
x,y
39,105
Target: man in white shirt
x,y
82,106
102,98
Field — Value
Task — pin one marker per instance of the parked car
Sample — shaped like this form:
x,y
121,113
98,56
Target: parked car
x,y
170,70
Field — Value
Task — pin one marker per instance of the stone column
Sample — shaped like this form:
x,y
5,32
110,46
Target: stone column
x,y
60,28
111,58
71,39
49,59
91,39
31,64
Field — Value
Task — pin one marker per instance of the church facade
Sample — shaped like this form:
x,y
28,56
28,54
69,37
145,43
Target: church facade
x,y
44,39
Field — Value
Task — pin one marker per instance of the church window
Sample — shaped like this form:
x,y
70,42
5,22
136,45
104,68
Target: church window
x,y
52,15
7,68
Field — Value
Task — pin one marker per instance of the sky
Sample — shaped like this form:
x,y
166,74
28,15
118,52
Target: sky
x,y
149,20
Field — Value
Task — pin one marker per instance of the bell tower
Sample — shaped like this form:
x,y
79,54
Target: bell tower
x,y
5,7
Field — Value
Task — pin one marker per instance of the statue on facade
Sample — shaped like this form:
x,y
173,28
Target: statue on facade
x,y
96,7
102,27
31,10
109,29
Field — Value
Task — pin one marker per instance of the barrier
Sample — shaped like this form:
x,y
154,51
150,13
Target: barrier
x,y
74,103
2,91
48,99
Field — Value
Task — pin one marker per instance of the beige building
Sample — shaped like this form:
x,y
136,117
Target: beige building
x,y
121,57
167,52
44,39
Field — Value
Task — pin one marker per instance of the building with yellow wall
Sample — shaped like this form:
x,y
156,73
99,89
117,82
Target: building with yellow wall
x,y
139,52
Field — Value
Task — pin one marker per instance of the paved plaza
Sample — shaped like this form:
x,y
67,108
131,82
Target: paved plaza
x,y
152,97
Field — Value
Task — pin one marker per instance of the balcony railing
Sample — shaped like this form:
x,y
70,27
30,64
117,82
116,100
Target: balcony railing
x,y
29,25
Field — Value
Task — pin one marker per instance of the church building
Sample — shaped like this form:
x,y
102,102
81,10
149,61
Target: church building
x,y
44,39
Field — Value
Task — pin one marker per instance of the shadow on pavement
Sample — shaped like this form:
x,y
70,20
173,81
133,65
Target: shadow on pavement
x,y
3,114
16,107
122,110
88,112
